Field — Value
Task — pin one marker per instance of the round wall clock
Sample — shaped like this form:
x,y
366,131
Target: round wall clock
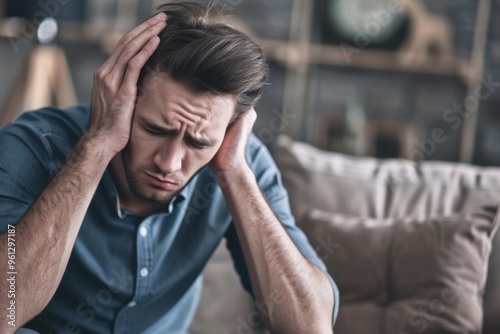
x,y
379,24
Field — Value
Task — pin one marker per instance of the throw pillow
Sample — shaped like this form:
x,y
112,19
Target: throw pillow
x,y
406,275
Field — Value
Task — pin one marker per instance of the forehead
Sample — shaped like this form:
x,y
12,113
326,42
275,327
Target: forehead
x,y
165,98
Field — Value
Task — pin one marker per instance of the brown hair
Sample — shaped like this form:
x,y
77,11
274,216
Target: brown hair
x,y
201,51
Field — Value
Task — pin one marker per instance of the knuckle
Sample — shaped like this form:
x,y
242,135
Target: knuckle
x,y
150,47
127,38
129,49
98,75
107,82
152,31
134,63
151,22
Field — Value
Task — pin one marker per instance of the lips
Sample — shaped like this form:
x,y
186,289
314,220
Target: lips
x,y
163,184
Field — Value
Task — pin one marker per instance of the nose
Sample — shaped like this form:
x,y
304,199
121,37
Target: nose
x,y
169,157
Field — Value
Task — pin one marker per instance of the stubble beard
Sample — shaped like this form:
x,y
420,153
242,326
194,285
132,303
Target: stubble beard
x,y
138,188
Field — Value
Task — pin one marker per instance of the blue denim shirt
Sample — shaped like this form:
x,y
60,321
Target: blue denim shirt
x,y
129,274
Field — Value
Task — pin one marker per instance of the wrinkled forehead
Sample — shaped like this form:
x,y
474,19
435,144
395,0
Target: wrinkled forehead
x,y
161,95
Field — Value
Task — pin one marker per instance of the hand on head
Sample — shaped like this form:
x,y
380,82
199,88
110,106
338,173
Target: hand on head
x,y
231,154
115,84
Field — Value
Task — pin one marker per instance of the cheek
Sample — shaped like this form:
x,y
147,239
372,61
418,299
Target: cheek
x,y
201,157
142,148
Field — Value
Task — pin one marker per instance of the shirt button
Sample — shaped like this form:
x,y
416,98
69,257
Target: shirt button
x,y
144,272
131,304
143,231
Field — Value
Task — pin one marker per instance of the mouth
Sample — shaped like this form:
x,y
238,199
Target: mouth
x,y
163,184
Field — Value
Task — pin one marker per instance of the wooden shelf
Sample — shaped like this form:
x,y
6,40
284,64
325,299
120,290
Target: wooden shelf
x,y
290,53
294,54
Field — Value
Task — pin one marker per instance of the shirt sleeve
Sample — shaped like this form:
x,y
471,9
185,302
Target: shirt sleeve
x,y
269,179
25,170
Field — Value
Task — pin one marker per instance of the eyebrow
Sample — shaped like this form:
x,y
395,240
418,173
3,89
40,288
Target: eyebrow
x,y
201,141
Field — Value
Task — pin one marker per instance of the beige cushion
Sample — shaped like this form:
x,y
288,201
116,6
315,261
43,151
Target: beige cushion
x,y
407,275
370,187
380,188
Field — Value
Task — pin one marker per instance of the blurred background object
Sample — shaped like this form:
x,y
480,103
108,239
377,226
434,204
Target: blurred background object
x,y
345,75
367,77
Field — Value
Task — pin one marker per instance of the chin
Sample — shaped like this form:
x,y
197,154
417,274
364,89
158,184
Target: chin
x,y
157,196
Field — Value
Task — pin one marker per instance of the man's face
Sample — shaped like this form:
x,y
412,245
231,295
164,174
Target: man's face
x,y
175,132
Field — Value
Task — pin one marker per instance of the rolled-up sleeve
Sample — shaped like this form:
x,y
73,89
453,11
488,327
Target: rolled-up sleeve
x,y
269,179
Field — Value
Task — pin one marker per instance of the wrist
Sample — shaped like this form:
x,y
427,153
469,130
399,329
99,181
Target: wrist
x,y
97,146
234,175
88,161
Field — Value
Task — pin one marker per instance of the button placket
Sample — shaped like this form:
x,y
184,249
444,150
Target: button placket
x,y
143,258
143,255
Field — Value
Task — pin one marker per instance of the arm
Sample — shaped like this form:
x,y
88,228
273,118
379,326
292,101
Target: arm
x,y
45,235
301,294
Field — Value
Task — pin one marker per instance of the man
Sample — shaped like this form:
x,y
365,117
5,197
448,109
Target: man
x,y
116,207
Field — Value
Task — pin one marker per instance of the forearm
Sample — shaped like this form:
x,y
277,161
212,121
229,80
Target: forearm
x,y
45,236
276,266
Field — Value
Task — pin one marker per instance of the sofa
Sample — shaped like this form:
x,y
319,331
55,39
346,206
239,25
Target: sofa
x,y
412,246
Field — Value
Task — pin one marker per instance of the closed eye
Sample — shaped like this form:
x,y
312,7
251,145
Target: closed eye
x,y
155,132
197,145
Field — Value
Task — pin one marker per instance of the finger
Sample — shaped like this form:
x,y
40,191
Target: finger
x,y
130,36
246,115
251,117
134,33
252,113
134,47
135,65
